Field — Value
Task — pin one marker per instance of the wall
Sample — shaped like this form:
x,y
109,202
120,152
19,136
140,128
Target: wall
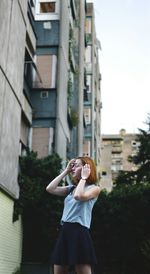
x,y
62,128
47,33
10,237
12,46
13,17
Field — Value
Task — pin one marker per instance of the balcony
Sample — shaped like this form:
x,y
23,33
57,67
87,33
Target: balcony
x,y
88,39
31,36
87,98
88,68
116,149
31,74
73,8
31,78
88,132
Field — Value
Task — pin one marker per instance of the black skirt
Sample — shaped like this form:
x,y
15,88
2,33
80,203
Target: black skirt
x,y
74,246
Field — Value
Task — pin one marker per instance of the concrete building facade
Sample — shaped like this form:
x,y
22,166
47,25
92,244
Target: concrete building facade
x,y
46,103
116,148
16,35
92,99
56,64
61,56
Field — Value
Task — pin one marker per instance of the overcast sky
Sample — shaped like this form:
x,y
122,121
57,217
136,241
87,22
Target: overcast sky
x,y
123,28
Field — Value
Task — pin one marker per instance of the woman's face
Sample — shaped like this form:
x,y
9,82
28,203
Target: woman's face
x,y
76,169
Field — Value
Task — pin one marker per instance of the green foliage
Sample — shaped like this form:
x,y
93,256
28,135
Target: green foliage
x,y
70,89
74,117
18,271
126,177
121,229
142,160
121,224
40,211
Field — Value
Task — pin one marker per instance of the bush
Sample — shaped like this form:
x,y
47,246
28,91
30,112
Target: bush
x,y
40,211
121,229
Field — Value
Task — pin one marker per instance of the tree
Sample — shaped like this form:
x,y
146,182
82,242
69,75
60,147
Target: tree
x,y
40,211
142,160
121,224
121,230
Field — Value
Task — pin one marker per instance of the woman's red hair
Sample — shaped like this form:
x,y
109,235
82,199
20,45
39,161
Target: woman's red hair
x,y
92,179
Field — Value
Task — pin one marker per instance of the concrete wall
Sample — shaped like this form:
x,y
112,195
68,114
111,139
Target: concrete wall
x,y
114,155
12,47
106,179
13,16
9,142
62,128
10,237
128,149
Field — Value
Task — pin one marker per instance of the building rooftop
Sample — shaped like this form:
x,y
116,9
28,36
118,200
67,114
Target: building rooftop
x,y
112,137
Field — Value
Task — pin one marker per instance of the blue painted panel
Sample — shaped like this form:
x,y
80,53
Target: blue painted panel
x,y
43,107
48,37
47,50
47,122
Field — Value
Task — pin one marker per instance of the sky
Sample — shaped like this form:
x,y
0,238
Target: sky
x,y
123,28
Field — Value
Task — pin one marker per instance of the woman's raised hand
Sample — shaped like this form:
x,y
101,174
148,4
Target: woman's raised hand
x,y
70,165
85,172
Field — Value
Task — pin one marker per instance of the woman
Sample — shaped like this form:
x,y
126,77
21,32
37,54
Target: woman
x,y
74,245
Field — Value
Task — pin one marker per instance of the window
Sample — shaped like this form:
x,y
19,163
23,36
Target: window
x,y
87,115
135,144
86,148
47,10
116,155
89,83
47,7
104,173
88,25
47,66
24,132
116,167
42,141
88,54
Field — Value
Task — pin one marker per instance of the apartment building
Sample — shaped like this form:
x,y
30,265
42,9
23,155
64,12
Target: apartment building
x,y
92,94
59,100
116,148
48,100
16,38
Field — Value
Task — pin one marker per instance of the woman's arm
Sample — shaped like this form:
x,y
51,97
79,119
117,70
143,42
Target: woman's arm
x,y
82,194
53,187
